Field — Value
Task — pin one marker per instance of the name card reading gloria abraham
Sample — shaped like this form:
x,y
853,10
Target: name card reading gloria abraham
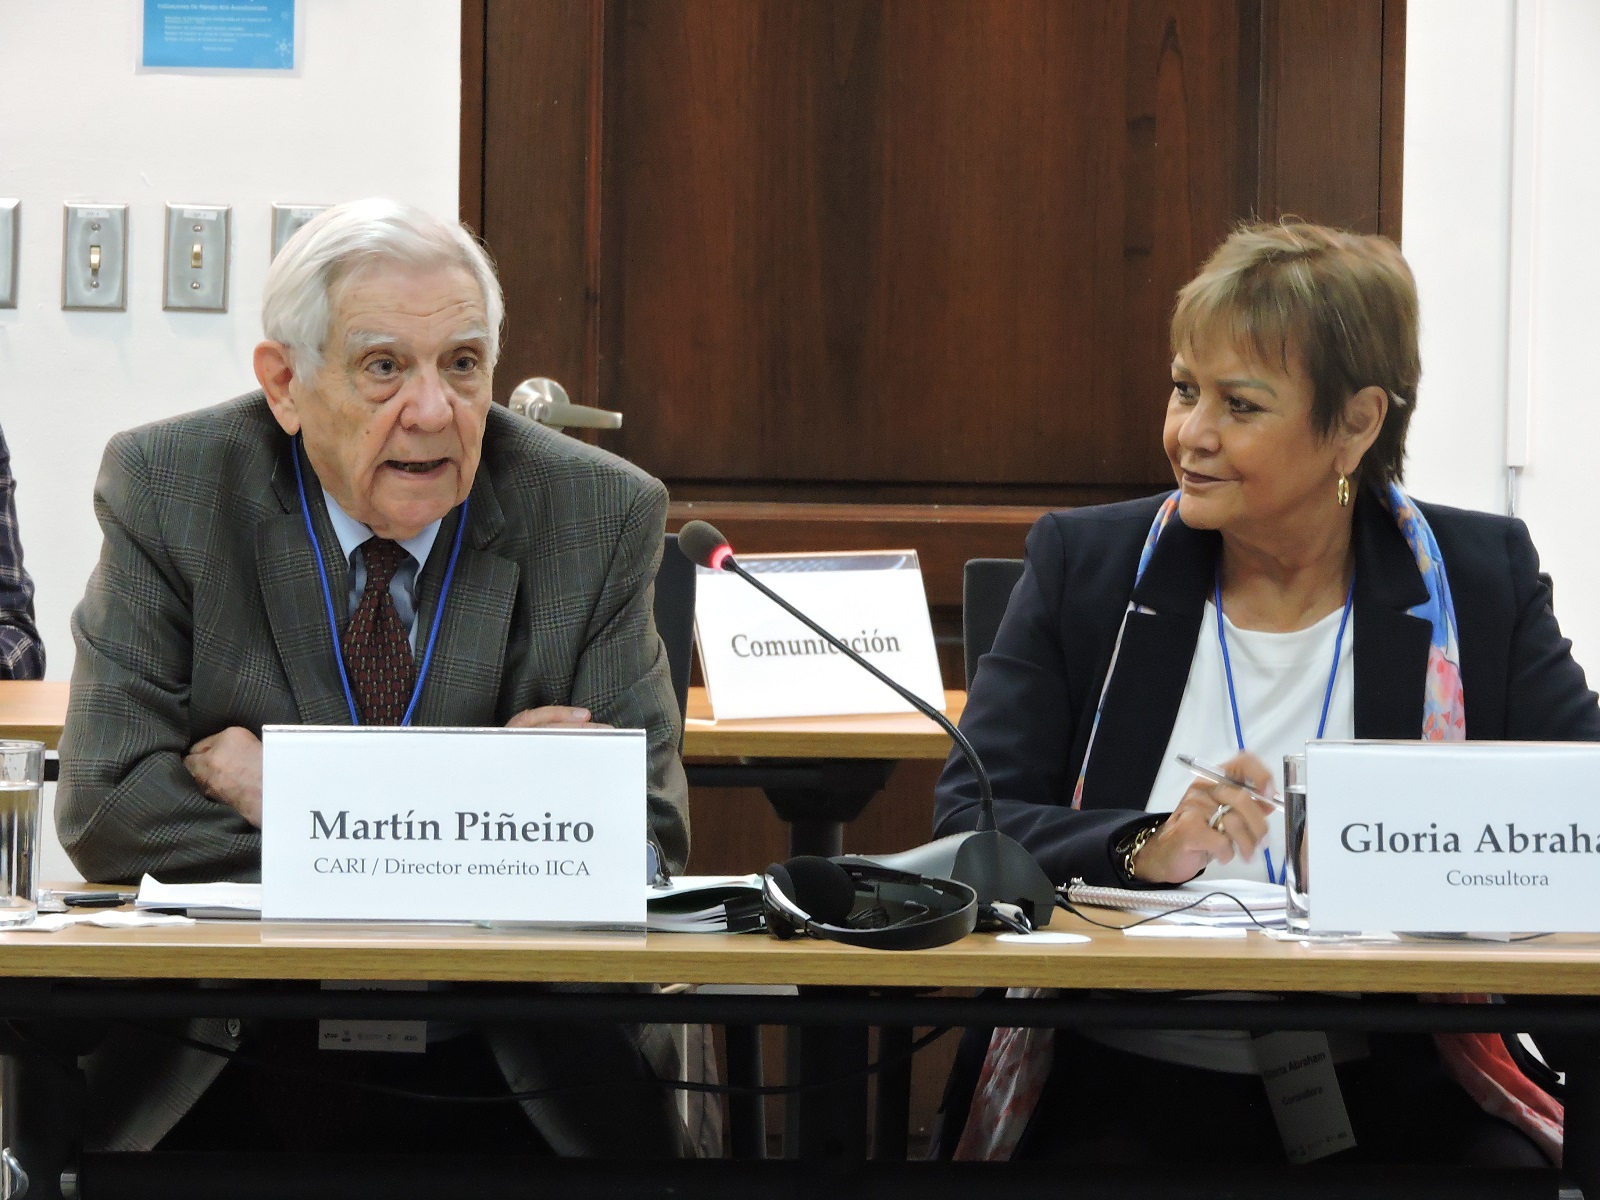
x,y
1441,837
761,662
517,826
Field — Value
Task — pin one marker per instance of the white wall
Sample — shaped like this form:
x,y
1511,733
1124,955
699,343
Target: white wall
x,y
1459,236
374,110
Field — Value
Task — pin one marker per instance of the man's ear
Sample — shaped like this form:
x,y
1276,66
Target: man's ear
x,y
1363,418
275,372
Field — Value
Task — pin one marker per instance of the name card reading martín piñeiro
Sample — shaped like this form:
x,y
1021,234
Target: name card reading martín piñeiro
x,y
521,826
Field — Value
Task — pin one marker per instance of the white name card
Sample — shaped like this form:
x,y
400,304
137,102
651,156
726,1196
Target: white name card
x,y
1448,837
525,826
761,662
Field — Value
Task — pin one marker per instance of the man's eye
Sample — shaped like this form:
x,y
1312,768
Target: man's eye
x,y
465,363
383,367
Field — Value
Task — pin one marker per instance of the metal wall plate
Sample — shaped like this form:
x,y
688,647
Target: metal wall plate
x,y
287,219
94,257
10,221
197,258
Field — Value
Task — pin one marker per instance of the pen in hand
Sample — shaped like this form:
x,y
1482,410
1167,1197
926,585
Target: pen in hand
x,y
1218,775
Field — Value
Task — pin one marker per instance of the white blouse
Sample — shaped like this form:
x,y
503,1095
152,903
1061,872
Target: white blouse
x,y
1280,680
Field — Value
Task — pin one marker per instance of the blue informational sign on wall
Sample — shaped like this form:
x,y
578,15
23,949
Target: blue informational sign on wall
x,y
238,35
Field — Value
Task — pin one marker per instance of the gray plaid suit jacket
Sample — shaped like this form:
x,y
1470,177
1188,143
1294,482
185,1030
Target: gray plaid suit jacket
x,y
206,611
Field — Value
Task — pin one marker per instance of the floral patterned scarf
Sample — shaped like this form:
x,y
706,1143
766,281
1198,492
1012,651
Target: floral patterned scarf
x,y
1020,1060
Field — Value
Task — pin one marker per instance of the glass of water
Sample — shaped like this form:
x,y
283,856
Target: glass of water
x,y
21,794
1296,873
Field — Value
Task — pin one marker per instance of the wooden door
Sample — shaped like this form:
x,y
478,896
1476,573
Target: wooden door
x,y
915,257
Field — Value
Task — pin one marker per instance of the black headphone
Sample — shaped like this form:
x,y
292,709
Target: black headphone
x,y
862,904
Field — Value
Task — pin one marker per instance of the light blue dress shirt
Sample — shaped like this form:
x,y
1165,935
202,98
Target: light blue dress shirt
x,y
352,533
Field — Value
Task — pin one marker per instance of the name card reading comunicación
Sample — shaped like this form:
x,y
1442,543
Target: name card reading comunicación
x,y
516,826
1447,837
761,662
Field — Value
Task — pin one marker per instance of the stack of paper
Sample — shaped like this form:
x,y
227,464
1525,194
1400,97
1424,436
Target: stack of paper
x,y
1219,903
706,904
217,901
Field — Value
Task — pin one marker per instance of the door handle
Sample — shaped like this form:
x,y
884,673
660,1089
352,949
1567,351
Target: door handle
x,y
545,401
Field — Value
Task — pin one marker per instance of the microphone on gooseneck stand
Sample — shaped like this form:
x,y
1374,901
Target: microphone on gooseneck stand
x,y
992,864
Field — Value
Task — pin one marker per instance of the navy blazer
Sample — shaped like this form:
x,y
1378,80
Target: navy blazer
x,y
1033,698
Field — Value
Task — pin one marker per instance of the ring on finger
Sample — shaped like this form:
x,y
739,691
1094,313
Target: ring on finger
x,y
1216,818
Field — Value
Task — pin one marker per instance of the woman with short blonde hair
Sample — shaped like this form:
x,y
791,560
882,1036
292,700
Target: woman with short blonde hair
x,y
1287,591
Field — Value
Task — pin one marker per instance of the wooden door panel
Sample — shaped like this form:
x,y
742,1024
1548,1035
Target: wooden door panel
x,y
929,240
910,251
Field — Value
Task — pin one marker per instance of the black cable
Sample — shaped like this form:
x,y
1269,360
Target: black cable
x,y
1063,903
992,912
681,1085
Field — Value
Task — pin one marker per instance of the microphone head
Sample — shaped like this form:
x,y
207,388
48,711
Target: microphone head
x,y
703,545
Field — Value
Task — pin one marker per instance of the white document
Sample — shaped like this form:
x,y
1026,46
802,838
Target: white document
x,y
1438,837
521,826
232,899
761,662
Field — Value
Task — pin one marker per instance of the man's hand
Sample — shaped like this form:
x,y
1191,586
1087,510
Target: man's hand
x,y
553,716
227,766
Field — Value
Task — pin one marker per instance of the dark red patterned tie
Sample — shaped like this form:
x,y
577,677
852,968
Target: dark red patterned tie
x,y
377,652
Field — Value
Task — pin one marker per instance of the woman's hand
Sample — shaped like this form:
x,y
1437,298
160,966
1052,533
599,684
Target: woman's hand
x,y
1194,837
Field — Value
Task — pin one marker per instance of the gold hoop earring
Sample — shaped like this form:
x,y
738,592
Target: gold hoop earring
x,y
1344,491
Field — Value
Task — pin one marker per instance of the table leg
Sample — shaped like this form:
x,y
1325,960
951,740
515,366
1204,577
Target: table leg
x,y
816,796
747,1115
891,1116
1580,1058
826,1122
43,1098
818,812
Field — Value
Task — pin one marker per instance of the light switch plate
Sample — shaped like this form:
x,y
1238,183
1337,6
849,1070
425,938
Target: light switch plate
x,y
10,219
94,257
287,219
197,258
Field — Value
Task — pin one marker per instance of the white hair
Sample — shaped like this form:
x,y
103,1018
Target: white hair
x,y
297,305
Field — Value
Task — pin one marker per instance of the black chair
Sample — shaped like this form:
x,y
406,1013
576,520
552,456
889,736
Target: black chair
x,y
675,616
986,587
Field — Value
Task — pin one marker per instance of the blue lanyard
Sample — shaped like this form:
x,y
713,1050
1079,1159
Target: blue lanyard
x,y
1227,664
333,621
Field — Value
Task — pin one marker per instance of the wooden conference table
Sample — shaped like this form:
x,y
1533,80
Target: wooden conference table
x,y
36,710
818,772
147,975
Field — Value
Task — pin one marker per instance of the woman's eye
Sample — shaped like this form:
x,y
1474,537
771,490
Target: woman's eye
x,y
1241,407
1186,391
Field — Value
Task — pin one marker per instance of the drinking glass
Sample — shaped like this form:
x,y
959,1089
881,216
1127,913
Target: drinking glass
x,y
1296,874
21,794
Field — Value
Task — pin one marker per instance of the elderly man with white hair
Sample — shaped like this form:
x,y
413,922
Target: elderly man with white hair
x,y
366,539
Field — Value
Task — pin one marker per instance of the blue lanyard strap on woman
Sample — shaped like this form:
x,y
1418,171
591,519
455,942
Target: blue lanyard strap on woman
x,y
333,621
1227,663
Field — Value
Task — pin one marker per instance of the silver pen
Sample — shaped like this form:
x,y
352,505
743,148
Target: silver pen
x,y
1218,775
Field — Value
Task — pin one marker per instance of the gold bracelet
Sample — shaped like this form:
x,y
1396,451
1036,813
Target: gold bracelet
x,y
1135,845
